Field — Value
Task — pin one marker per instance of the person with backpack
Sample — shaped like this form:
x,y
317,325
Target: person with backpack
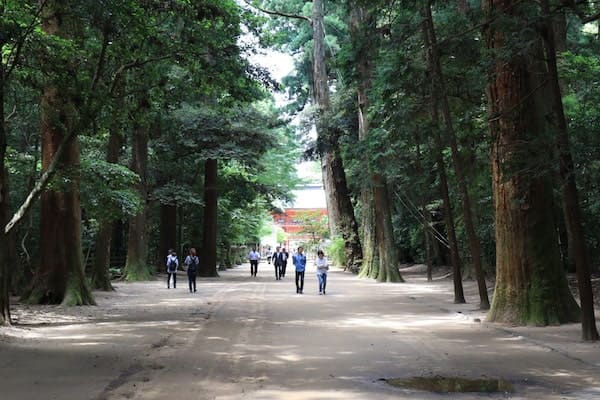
x,y
192,261
172,265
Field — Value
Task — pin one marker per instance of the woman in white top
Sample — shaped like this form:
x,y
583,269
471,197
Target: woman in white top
x,y
322,268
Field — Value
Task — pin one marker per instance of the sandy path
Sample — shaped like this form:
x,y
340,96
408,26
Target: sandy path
x,y
254,338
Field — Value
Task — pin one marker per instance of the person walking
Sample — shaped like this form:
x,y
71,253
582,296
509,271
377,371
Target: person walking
x,y
253,257
269,255
277,262
172,265
192,262
284,261
322,268
299,261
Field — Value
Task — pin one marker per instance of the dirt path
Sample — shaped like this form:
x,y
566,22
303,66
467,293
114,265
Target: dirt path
x,y
254,338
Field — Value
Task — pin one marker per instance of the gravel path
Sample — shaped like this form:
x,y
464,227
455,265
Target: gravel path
x,y
254,338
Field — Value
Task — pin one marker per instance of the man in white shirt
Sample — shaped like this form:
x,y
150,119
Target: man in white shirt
x,y
253,256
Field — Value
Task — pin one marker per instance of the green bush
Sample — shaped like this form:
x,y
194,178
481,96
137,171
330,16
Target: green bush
x,y
335,252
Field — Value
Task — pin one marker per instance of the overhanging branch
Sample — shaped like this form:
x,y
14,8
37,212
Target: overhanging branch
x,y
279,13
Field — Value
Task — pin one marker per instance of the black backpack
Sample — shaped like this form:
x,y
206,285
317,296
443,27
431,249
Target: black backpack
x,y
193,267
172,267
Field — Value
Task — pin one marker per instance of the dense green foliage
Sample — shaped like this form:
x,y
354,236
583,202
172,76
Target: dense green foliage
x,y
401,144
178,70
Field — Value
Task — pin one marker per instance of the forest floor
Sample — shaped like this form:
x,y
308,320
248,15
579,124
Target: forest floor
x,y
255,338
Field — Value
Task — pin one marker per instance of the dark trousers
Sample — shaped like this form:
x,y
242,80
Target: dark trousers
x,y
253,267
283,267
169,275
192,281
299,281
277,271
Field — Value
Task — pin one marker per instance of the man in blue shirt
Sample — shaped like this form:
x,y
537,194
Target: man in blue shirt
x,y
299,261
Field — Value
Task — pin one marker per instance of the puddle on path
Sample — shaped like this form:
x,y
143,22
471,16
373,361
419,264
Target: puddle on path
x,y
441,384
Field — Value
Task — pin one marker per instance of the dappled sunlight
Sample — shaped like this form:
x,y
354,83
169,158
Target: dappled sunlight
x,y
218,338
90,344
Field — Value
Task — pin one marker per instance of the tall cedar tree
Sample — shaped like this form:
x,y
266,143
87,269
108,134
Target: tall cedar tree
x,y
339,206
378,232
438,76
571,207
530,286
60,277
136,267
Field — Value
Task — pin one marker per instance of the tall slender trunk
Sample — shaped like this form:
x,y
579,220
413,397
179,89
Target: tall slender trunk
x,y
208,264
101,265
333,217
530,284
474,244
426,215
361,28
571,207
4,211
136,267
60,277
168,232
459,296
335,176
370,261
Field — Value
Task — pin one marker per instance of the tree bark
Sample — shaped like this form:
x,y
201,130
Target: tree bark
x,y
427,225
370,264
101,265
361,26
474,244
459,296
4,210
340,207
530,285
136,267
571,207
60,277
208,263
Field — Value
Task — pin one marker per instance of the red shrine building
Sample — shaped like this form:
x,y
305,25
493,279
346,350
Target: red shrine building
x,y
308,206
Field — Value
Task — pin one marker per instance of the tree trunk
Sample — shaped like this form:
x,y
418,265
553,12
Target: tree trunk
x,y
60,277
4,211
100,271
388,254
530,285
136,267
474,244
427,225
463,6
459,296
168,232
208,263
333,217
370,266
375,199
335,177
571,207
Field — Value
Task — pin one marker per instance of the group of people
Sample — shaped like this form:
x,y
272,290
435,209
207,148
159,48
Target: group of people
x,y
191,262
280,258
